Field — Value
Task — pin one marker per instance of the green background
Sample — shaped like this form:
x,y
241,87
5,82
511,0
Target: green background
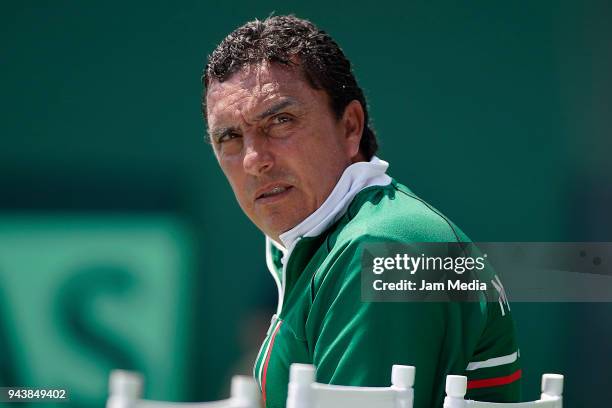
x,y
497,113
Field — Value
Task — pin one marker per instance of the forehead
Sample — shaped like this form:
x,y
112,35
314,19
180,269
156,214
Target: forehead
x,y
255,87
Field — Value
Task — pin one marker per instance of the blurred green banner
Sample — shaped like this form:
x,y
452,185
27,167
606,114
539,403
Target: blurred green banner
x,y
81,295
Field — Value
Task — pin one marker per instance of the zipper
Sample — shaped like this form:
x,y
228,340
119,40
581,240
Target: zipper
x,y
263,351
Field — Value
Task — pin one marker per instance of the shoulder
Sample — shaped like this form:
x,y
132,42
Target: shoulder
x,y
390,214
393,213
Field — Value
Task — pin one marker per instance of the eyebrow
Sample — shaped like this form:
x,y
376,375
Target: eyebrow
x,y
276,108
218,133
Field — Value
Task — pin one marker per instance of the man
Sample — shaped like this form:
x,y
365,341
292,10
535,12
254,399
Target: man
x,y
289,127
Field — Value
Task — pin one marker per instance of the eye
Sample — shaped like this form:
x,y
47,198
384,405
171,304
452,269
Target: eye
x,y
227,137
281,119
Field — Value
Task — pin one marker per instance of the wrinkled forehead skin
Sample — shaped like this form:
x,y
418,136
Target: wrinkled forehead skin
x,y
252,87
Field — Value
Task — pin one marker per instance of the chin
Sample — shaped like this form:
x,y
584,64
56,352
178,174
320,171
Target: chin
x,y
279,228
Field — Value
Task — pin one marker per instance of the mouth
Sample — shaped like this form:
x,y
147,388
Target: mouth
x,y
273,193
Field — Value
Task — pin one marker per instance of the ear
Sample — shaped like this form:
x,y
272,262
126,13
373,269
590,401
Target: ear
x,y
353,123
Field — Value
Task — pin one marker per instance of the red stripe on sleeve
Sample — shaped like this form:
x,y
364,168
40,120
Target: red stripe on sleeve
x,y
494,382
265,368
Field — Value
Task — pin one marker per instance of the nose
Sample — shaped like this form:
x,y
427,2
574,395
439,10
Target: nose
x,y
258,158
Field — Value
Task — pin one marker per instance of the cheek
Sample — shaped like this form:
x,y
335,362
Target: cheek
x,y
233,173
231,164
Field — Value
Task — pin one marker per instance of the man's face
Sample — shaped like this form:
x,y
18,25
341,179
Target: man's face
x,y
279,144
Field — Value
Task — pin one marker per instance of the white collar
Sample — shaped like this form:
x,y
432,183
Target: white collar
x,y
355,178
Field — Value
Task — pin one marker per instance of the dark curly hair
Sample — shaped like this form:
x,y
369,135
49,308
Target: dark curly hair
x,y
280,39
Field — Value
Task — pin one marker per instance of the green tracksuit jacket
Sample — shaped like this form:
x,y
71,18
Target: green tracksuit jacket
x,y
324,322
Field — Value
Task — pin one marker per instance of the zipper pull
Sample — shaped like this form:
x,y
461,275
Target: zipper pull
x,y
272,322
